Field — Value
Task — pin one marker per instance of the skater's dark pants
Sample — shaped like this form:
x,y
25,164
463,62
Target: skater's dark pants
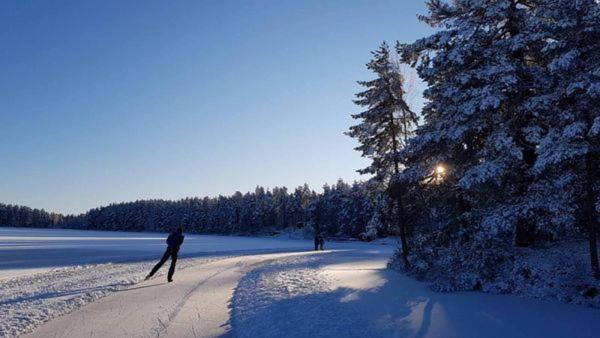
x,y
169,253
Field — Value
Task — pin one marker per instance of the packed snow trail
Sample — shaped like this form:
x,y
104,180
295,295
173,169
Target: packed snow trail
x,y
29,300
196,304
338,293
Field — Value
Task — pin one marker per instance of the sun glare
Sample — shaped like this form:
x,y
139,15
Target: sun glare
x,y
440,170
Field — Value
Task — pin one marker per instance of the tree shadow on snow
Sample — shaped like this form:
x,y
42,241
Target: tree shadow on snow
x,y
382,311
396,306
393,305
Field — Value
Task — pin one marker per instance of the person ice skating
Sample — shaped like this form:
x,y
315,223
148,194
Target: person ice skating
x,y
317,242
173,243
321,242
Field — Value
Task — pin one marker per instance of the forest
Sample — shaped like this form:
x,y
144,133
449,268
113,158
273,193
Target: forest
x,y
357,210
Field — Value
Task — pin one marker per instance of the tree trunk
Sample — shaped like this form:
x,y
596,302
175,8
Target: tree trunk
x,y
525,227
591,214
402,227
398,197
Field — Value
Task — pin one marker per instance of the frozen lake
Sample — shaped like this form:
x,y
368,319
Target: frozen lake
x,y
24,250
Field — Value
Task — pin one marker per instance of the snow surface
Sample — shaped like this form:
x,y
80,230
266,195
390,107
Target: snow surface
x,y
26,250
350,293
195,304
246,287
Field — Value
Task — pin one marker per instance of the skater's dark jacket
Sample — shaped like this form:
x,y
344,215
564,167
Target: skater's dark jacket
x,y
174,240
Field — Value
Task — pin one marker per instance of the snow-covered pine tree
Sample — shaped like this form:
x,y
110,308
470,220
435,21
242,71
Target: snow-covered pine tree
x,y
569,150
480,70
358,209
372,228
384,127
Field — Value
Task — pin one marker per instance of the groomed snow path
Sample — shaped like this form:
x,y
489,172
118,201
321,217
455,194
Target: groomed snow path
x,y
346,292
196,304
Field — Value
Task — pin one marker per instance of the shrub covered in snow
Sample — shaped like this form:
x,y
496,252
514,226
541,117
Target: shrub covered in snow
x,y
560,272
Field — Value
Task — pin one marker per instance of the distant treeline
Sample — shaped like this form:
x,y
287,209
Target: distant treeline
x,y
14,215
354,210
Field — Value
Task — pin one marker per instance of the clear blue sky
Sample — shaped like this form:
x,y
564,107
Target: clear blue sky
x,y
110,101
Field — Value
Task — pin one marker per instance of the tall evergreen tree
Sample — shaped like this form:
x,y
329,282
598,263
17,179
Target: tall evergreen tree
x,y
569,149
384,128
482,67
479,69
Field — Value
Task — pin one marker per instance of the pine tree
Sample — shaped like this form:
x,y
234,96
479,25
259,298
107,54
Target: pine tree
x,y
569,150
480,124
384,128
372,227
479,69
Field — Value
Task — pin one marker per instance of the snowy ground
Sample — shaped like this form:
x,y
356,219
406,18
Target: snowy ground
x,y
76,283
350,293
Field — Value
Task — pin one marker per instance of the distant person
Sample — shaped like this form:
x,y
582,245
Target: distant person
x,y
317,241
173,243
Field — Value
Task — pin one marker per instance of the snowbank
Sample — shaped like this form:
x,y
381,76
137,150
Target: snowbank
x,y
30,300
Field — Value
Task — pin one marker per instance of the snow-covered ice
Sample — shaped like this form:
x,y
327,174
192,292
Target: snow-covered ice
x,y
246,287
33,250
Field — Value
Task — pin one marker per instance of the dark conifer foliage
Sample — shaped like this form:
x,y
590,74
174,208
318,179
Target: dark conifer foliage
x,y
342,210
14,215
507,155
384,129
